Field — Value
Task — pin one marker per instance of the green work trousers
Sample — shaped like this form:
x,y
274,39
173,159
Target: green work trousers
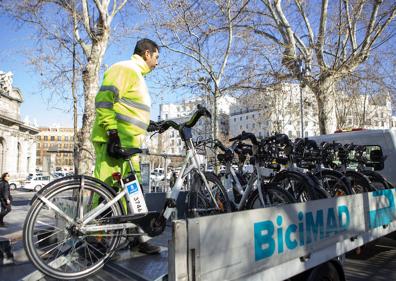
x,y
105,166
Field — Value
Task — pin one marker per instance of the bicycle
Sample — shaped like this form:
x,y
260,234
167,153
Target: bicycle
x,y
68,236
307,155
244,193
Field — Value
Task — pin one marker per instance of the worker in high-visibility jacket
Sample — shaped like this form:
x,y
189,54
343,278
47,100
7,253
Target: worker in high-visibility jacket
x,y
123,115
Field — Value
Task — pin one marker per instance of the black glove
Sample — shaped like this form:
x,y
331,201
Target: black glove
x,y
114,144
153,126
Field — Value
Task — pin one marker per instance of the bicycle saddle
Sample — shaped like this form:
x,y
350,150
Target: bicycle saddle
x,y
126,153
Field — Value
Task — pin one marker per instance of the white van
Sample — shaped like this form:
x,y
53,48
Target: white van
x,y
36,183
384,138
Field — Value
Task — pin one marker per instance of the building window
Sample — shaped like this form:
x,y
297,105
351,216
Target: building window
x,y
38,145
66,138
306,134
253,126
240,118
234,119
59,138
306,123
382,123
240,127
52,138
252,115
45,138
247,117
247,126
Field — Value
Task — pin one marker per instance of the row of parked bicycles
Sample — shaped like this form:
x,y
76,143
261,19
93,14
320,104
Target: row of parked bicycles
x,y
76,223
287,171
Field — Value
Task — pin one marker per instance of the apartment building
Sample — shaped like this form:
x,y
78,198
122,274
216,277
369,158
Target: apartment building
x,y
275,110
57,142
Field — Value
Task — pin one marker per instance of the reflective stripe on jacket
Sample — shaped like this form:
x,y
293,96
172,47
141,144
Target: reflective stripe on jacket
x,y
123,103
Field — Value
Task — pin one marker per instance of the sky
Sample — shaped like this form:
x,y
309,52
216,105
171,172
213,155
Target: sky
x,y
36,105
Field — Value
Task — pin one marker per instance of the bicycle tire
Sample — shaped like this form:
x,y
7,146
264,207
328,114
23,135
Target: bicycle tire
x,y
334,182
96,247
377,179
297,184
359,182
199,201
273,196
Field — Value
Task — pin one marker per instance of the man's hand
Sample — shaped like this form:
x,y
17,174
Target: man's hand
x,y
114,143
8,201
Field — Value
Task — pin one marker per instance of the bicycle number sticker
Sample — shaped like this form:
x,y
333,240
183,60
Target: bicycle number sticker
x,y
136,198
132,188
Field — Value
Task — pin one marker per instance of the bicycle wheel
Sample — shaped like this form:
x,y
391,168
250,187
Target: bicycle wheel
x,y
300,186
359,182
377,179
273,196
199,200
54,243
335,183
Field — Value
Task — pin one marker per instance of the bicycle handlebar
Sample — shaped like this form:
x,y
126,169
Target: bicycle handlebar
x,y
246,136
162,126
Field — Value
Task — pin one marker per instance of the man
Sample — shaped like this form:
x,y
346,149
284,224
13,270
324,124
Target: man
x,y
123,115
5,197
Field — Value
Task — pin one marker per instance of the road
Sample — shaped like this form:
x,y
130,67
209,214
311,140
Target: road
x,y
378,261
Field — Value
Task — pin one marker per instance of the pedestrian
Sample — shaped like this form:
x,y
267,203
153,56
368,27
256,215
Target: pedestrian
x,y
123,116
5,197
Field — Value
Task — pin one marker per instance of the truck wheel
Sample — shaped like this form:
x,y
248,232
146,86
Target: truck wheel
x,y
13,186
324,272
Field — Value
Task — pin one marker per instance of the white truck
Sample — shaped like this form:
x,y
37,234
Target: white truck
x,y
301,241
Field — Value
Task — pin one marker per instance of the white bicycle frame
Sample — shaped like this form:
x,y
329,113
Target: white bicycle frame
x,y
190,163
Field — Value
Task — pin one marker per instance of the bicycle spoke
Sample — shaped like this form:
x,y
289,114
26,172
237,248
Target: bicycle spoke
x,y
41,240
46,224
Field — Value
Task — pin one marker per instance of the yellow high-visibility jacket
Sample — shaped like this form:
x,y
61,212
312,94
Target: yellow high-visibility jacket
x,y
123,103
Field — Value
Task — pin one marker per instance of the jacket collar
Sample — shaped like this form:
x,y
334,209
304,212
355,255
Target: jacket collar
x,y
144,68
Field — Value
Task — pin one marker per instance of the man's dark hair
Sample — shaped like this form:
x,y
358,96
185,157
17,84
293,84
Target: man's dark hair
x,y
3,176
145,44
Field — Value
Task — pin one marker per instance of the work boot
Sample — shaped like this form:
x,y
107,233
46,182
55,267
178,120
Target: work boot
x,y
147,248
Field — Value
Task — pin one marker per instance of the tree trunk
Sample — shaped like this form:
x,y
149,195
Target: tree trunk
x,y
324,93
75,113
90,77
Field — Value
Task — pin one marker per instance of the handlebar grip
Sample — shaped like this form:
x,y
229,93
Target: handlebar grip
x,y
204,111
282,138
220,145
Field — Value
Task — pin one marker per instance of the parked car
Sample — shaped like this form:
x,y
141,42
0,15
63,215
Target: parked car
x,y
33,175
60,174
156,176
13,185
36,183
